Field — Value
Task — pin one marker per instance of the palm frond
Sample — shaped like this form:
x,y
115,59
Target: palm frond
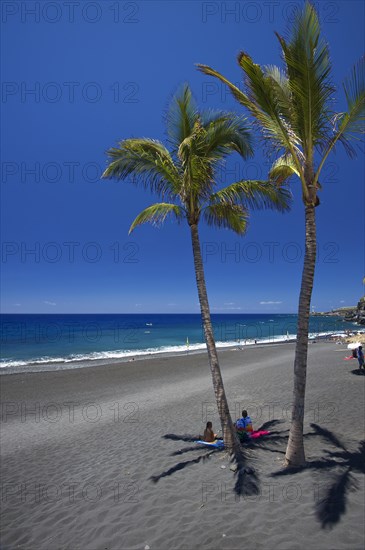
x,y
156,214
308,67
267,99
353,121
193,144
148,161
228,133
208,144
238,94
197,179
282,169
256,195
263,94
230,216
273,115
354,87
181,116
281,92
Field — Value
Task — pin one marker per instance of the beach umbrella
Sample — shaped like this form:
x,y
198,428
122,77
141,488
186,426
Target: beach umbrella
x,y
354,345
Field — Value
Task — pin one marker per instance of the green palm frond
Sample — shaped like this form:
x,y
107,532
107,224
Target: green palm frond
x,y
193,144
353,121
282,169
229,216
354,87
238,94
255,195
281,92
197,179
228,133
272,126
148,161
261,101
263,94
210,141
181,117
308,69
156,214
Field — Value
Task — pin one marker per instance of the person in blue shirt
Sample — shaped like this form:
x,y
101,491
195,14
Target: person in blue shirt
x,y
244,426
360,357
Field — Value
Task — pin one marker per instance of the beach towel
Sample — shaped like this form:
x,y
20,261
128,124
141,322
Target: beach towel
x,y
258,433
217,443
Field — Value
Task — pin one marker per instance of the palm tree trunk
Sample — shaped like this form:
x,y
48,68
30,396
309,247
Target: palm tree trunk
x,y
295,456
229,434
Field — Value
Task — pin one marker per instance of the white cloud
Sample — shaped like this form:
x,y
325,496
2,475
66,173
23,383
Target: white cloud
x,y
270,303
49,303
17,305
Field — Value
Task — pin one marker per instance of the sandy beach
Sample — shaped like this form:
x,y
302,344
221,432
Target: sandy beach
x,y
85,465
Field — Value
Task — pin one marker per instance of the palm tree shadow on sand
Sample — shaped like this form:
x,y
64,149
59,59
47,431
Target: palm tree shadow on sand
x,y
332,505
247,481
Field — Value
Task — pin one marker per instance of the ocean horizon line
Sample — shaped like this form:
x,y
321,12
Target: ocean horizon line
x,y
226,312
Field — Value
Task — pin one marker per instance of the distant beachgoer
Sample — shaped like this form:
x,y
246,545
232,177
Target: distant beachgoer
x,y
209,435
244,426
360,357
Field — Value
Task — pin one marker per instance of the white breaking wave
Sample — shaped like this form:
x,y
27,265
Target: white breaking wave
x,y
67,362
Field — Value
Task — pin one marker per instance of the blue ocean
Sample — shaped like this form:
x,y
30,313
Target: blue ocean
x,y
58,341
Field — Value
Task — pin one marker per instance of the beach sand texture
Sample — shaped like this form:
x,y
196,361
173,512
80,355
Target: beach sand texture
x,y
79,449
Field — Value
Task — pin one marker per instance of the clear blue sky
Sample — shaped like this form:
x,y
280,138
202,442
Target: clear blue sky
x,y
80,76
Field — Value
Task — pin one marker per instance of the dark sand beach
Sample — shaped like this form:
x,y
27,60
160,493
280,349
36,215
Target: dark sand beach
x,y
79,449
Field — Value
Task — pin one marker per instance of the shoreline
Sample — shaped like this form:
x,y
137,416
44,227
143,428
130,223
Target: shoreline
x,y
36,343
38,366
140,359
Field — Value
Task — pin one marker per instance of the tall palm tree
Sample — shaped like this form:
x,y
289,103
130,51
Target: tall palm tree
x,y
184,176
293,107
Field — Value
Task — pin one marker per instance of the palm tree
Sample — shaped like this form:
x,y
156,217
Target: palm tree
x,y
293,108
185,177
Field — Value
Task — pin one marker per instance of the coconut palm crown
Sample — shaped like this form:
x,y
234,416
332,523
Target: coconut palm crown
x,y
185,178
294,109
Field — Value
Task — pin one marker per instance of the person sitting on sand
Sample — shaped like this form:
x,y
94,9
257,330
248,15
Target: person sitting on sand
x,y
360,357
244,426
209,435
